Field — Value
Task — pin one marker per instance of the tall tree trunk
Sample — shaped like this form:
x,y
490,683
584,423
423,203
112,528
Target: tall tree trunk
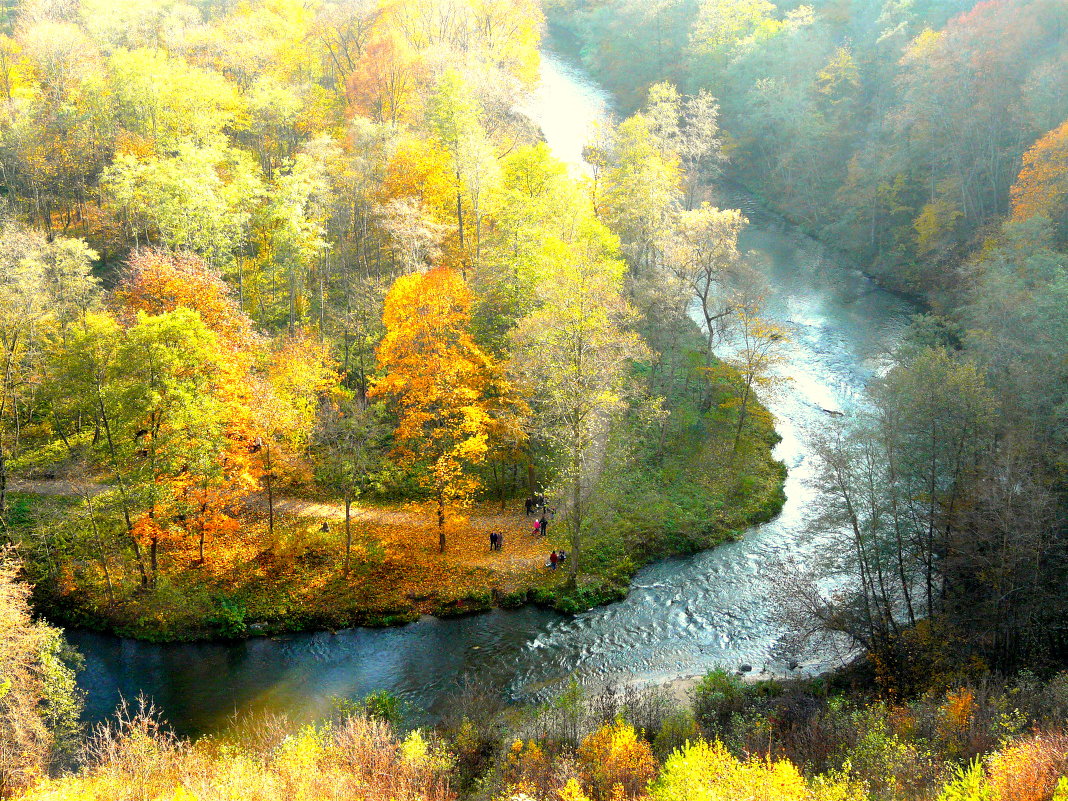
x,y
270,491
441,522
100,546
741,417
113,453
348,534
576,531
532,484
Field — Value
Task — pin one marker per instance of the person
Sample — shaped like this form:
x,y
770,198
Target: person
x,y
537,527
530,505
562,556
493,540
544,525
553,559
500,540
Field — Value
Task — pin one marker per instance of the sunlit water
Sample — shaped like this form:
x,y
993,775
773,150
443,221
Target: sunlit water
x,y
682,616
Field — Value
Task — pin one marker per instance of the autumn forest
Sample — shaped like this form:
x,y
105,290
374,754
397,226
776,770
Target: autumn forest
x,y
309,323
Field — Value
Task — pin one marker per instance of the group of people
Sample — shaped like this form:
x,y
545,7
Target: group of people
x,y
535,504
541,529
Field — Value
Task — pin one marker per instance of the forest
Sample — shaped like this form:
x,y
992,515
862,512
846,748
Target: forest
x,y
304,325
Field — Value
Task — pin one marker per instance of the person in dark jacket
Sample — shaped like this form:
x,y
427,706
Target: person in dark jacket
x,y
544,524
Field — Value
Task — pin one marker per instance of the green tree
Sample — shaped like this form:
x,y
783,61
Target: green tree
x,y
573,354
349,439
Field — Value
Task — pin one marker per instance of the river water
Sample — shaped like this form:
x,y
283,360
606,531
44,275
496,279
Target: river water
x,y
682,617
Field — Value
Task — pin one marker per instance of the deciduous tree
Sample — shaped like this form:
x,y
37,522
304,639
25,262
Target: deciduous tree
x,y
437,377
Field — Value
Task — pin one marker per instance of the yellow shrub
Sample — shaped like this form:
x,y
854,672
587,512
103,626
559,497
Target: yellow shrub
x,y
708,772
615,755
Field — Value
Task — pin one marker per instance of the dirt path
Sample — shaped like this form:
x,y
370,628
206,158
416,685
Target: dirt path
x,y
57,486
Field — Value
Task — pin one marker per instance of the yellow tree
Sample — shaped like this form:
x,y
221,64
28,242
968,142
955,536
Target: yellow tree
x,y
438,378
760,345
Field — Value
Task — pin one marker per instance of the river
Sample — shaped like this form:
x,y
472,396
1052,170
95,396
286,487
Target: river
x,y
682,617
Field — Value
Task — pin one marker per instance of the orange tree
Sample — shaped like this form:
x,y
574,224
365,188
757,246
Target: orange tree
x,y
437,377
1042,186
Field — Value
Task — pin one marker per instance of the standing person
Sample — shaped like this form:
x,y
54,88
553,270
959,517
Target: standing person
x,y
530,505
493,540
553,559
544,524
500,540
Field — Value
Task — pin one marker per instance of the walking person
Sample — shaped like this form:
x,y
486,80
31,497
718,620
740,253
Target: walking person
x,y
500,540
553,560
493,540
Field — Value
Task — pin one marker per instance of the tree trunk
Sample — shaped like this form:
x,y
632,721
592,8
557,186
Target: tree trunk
x,y
532,484
100,547
348,534
441,523
576,532
741,417
122,488
270,491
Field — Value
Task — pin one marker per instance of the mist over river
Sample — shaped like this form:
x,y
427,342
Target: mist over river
x,y
682,616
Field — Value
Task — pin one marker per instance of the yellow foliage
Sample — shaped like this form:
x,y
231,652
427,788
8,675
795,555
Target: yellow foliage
x,y
957,712
1029,770
572,792
705,771
614,757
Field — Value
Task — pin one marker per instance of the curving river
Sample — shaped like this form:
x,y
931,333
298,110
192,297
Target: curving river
x,y
682,616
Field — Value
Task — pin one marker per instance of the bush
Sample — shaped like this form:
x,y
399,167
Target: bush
x,y
39,701
716,698
1029,770
705,771
136,759
613,757
676,731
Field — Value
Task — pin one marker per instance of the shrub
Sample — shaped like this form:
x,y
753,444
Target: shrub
x,y
39,701
676,731
968,784
705,771
1029,770
615,755
716,698
135,759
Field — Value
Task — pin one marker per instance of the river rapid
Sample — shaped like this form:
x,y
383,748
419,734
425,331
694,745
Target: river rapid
x,y
682,617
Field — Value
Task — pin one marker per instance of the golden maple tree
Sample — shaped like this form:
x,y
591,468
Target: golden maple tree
x,y
438,377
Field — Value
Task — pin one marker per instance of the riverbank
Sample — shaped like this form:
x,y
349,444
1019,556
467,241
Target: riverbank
x,y
693,493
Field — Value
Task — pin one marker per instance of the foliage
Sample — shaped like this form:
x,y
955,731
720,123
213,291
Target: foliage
x,y
615,761
40,704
